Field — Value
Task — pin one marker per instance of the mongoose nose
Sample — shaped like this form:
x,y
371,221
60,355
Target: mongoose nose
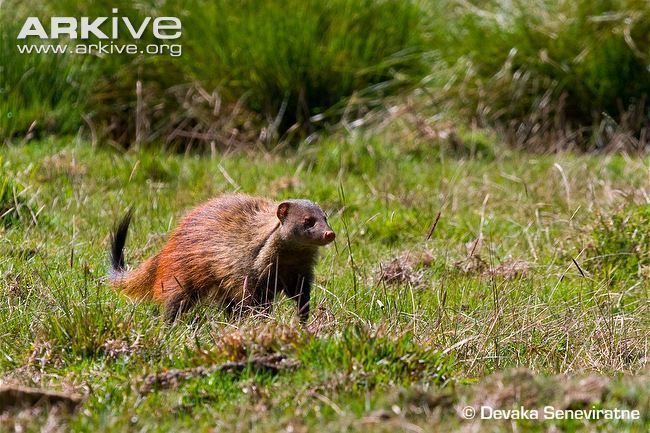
x,y
329,236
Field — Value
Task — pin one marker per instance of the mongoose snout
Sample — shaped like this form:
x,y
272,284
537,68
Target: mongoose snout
x,y
328,237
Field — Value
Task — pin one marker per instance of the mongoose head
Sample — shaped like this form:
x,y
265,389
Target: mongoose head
x,y
304,223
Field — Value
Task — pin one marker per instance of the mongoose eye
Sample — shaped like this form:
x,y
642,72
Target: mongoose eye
x,y
309,222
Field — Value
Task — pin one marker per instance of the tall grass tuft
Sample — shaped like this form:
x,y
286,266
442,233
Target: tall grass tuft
x,y
550,74
39,93
293,60
621,242
576,71
244,65
14,204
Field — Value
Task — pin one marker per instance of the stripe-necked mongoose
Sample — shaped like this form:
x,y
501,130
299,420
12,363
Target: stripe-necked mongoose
x,y
236,249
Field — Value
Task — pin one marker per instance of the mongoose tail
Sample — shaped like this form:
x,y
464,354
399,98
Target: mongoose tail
x,y
137,284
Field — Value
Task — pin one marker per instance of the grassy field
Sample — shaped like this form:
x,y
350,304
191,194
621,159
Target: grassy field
x,y
553,75
467,272
529,290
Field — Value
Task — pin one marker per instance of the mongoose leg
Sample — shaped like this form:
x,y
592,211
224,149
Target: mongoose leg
x,y
174,306
304,295
177,302
263,297
303,306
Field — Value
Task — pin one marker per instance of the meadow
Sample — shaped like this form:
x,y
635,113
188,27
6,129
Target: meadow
x,y
484,165
408,324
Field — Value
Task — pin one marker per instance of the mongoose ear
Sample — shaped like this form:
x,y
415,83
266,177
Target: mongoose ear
x,y
283,211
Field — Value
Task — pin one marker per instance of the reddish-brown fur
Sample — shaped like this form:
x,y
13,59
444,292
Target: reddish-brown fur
x,y
238,250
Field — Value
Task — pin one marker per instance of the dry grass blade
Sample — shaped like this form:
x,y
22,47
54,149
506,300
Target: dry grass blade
x,y
433,226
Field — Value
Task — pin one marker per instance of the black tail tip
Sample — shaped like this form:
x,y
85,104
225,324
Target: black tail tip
x,y
118,239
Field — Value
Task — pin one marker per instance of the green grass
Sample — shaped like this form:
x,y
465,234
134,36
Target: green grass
x,y
551,74
464,272
38,93
308,62
620,241
375,356
14,203
238,59
572,71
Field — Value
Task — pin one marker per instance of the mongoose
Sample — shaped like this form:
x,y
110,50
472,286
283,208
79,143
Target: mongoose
x,y
236,249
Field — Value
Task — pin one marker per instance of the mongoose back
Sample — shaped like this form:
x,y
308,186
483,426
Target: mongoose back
x,y
236,249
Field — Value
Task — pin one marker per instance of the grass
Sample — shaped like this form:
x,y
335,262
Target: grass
x,y
552,75
39,93
569,72
14,204
620,244
295,66
465,273
245,65
379,354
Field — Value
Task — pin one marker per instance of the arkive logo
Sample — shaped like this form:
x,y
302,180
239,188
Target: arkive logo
x,y
110,35
164,28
